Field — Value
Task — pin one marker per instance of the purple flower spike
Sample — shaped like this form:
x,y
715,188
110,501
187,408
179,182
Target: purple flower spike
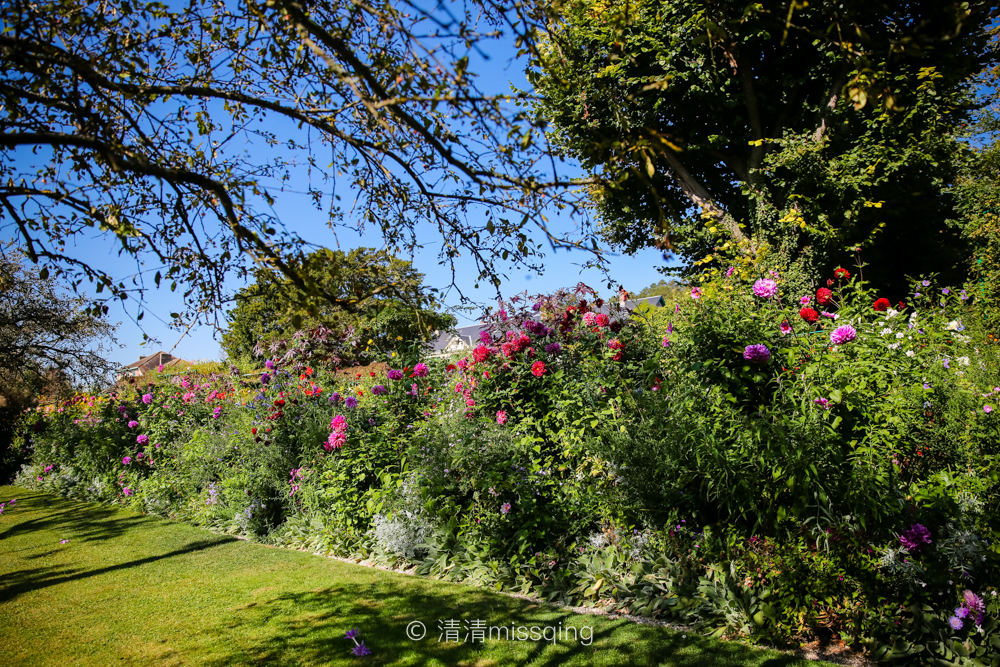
x,y
351,634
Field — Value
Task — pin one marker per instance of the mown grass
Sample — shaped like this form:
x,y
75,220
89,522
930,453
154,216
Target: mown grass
x,y
133,589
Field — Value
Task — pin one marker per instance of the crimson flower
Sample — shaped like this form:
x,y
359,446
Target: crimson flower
x,y
823,296
538,369
809,315
881,305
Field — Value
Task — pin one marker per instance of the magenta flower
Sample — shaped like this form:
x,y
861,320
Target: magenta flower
x,y
351,634
505,508
127,491
823,403
729,271
843,334
695,294
338,423
217,412
553,348
63,541
127,460
265,378
269,365
987,409
501,417
361,650
785,327
133,424
395,374
757,354
336,440
379,390
142,439
765,288
147,398
805,300
421,370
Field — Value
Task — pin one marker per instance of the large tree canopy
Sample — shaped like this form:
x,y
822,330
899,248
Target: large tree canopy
x,y
170,129
831,122
401,310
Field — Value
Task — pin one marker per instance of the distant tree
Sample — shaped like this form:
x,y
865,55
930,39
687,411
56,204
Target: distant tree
x,y
47,338
712,124
390,304
660,288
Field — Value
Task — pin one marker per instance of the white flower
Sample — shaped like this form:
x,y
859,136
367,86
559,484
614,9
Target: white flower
x,y
891,313
899,335
909,353
894,346
885,331
963,360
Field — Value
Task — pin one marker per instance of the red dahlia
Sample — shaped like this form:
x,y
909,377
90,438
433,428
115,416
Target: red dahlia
x,y
538,369
881,305
841,274
823,296
809,315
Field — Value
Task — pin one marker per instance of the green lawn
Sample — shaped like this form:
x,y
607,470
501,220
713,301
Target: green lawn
x,y
133,589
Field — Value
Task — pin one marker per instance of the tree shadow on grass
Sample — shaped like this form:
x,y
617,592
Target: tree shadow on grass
x,y
88,521
309,627
32,579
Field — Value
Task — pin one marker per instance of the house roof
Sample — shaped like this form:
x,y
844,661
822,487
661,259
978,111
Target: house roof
x,y
155,359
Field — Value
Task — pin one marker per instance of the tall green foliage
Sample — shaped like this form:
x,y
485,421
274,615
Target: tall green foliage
x,y
829,123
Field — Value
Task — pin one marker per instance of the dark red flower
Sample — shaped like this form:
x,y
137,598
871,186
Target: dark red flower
x,y
823,296
881,305
841,274
809,315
